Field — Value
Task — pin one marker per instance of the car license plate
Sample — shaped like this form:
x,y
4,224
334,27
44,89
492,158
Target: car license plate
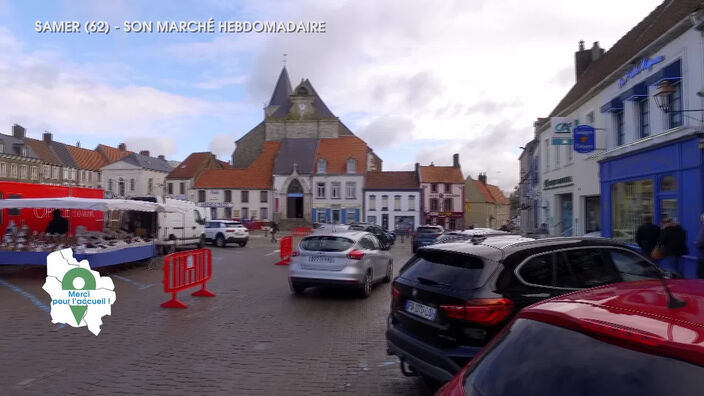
x,y
421,310
320,259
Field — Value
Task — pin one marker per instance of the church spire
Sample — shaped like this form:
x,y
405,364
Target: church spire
x,y
282,90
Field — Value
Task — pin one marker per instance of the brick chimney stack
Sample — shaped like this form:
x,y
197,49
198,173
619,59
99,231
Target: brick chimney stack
x,y
585,57
482,178
456,160
144,153
18,131
47,137
122,147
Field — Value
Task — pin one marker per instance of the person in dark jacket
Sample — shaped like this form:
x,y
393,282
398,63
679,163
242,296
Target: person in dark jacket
x,y
647,235
673,241
700,246
57,225
273,229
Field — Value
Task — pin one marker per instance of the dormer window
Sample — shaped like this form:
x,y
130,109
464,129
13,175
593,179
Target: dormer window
x,y
322,165
351,165
2,147
302,91
24,151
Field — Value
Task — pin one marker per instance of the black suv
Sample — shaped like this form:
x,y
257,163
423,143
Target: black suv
x,y
450,300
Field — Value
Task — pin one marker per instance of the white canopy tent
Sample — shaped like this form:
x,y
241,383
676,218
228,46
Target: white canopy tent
x,y
103,205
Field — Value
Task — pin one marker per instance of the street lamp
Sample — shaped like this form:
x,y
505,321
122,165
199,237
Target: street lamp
x,y
662,98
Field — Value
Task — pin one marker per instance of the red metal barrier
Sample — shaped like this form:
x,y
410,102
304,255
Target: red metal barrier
x,y
286,250
302,231
184,270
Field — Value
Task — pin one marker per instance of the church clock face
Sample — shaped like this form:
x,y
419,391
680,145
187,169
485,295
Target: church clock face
x,y
302,107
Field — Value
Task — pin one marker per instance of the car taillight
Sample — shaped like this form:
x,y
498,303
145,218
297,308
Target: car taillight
x,y
623,333
395,293
295,253
485,311
355,255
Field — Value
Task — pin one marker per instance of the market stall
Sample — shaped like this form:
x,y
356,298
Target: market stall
x,y
101,248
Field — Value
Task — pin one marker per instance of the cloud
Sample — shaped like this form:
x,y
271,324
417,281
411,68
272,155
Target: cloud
x,y
164,145
385,131
222,145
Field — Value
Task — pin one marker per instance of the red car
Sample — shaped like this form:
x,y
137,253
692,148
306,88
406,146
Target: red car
x,y
619,339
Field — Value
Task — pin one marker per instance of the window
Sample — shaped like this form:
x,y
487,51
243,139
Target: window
x,y
434,205
569,154
263,196
72,174
322,165
335,190
213,213
397,202
47,171
668,183
448,188
228,213
65,173
90,176
590,268
644,118
110,185
196,216
171,188
411,202
13,171
447,205
245,196
2,147
201,195
351,165
371,219
557,156
23,171
351,216
372,202
131,184
590,117
366,244
55,172
620,132
182,188
321,215
547,154
245,213
675,103
24,151
630,202
384,202
228,196
35,173
264,213
3,169
434,188
320,190
150,186
351,190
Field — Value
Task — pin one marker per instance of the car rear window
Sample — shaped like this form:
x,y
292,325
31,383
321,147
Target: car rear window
x,y
428,230
449,269
358,227
326,243
230,225
536,358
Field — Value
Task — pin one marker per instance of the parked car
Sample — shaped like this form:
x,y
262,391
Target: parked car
x,y
352,259
222,232
466,235
182,225
620,339
386,238
321,227
425,235
451,299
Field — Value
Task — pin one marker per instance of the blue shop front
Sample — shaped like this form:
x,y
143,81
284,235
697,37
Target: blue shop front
x,y
662,180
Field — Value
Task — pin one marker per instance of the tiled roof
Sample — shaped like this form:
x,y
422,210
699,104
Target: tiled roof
x,y
43,151
657,23
86,158
336,151
485,192
258,176
392,180
295,151
112,154
225,165
193,164
498,195
441,174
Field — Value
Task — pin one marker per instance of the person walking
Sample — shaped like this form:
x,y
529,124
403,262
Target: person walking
x,y
647,235
700,246
274,228
673,242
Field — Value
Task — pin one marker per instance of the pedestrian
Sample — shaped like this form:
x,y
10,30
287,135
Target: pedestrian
x,y
673,242
647,235
57,225
273,229
700,246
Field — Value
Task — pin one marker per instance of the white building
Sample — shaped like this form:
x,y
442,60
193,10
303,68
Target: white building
x,y
393,200
136,175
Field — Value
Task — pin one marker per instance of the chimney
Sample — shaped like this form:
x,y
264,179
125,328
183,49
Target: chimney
x,y
585,57
18,131
597,51
456,160
144,153
78,144
47,137
482,178
122,147
161,157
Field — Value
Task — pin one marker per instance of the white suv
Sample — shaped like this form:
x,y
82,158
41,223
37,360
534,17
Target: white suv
x,y
222,232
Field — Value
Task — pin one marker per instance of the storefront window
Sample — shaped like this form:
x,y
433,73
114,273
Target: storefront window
x,y
668,209
668,183
631,202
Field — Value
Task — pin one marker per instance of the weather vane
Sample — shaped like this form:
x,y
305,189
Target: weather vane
x,y
285,59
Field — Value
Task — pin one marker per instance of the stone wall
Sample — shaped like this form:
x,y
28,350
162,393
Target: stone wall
x,y
249,147
291,129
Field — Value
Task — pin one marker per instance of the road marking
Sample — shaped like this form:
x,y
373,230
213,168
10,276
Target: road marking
x,y
141,286
31,298
274,252
48,374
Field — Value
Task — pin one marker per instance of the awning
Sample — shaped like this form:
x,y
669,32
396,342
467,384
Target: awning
x,y
102,205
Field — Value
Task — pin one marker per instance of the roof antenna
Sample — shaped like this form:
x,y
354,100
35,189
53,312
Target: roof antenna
x,y
672,301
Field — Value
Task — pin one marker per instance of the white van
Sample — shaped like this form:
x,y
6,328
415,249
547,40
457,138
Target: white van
x,y
183,227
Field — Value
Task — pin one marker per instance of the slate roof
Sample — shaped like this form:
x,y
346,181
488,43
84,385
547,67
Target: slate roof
x,y
112,154
299,151
86,158
336,151
10,142
322,109
392,180
43,151
657,23
257,176
63,154
282,90
441,174
151,163
281,98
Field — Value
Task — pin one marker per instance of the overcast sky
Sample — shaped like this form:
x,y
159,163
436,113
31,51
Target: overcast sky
x,y
418,80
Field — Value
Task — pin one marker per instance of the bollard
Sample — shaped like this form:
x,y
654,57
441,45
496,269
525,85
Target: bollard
x,y
286,250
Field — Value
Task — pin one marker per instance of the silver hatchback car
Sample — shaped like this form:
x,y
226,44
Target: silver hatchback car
x,y
352,259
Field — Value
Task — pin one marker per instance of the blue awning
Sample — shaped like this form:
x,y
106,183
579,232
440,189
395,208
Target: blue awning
x,y
670,73
612,106
638,92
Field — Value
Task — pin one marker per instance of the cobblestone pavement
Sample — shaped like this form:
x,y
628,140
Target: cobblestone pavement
x,y
254,338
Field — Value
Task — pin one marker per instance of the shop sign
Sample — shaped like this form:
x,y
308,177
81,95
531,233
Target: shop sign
x,y
559,141
561,125
584,139
557,182
215,204
645,64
